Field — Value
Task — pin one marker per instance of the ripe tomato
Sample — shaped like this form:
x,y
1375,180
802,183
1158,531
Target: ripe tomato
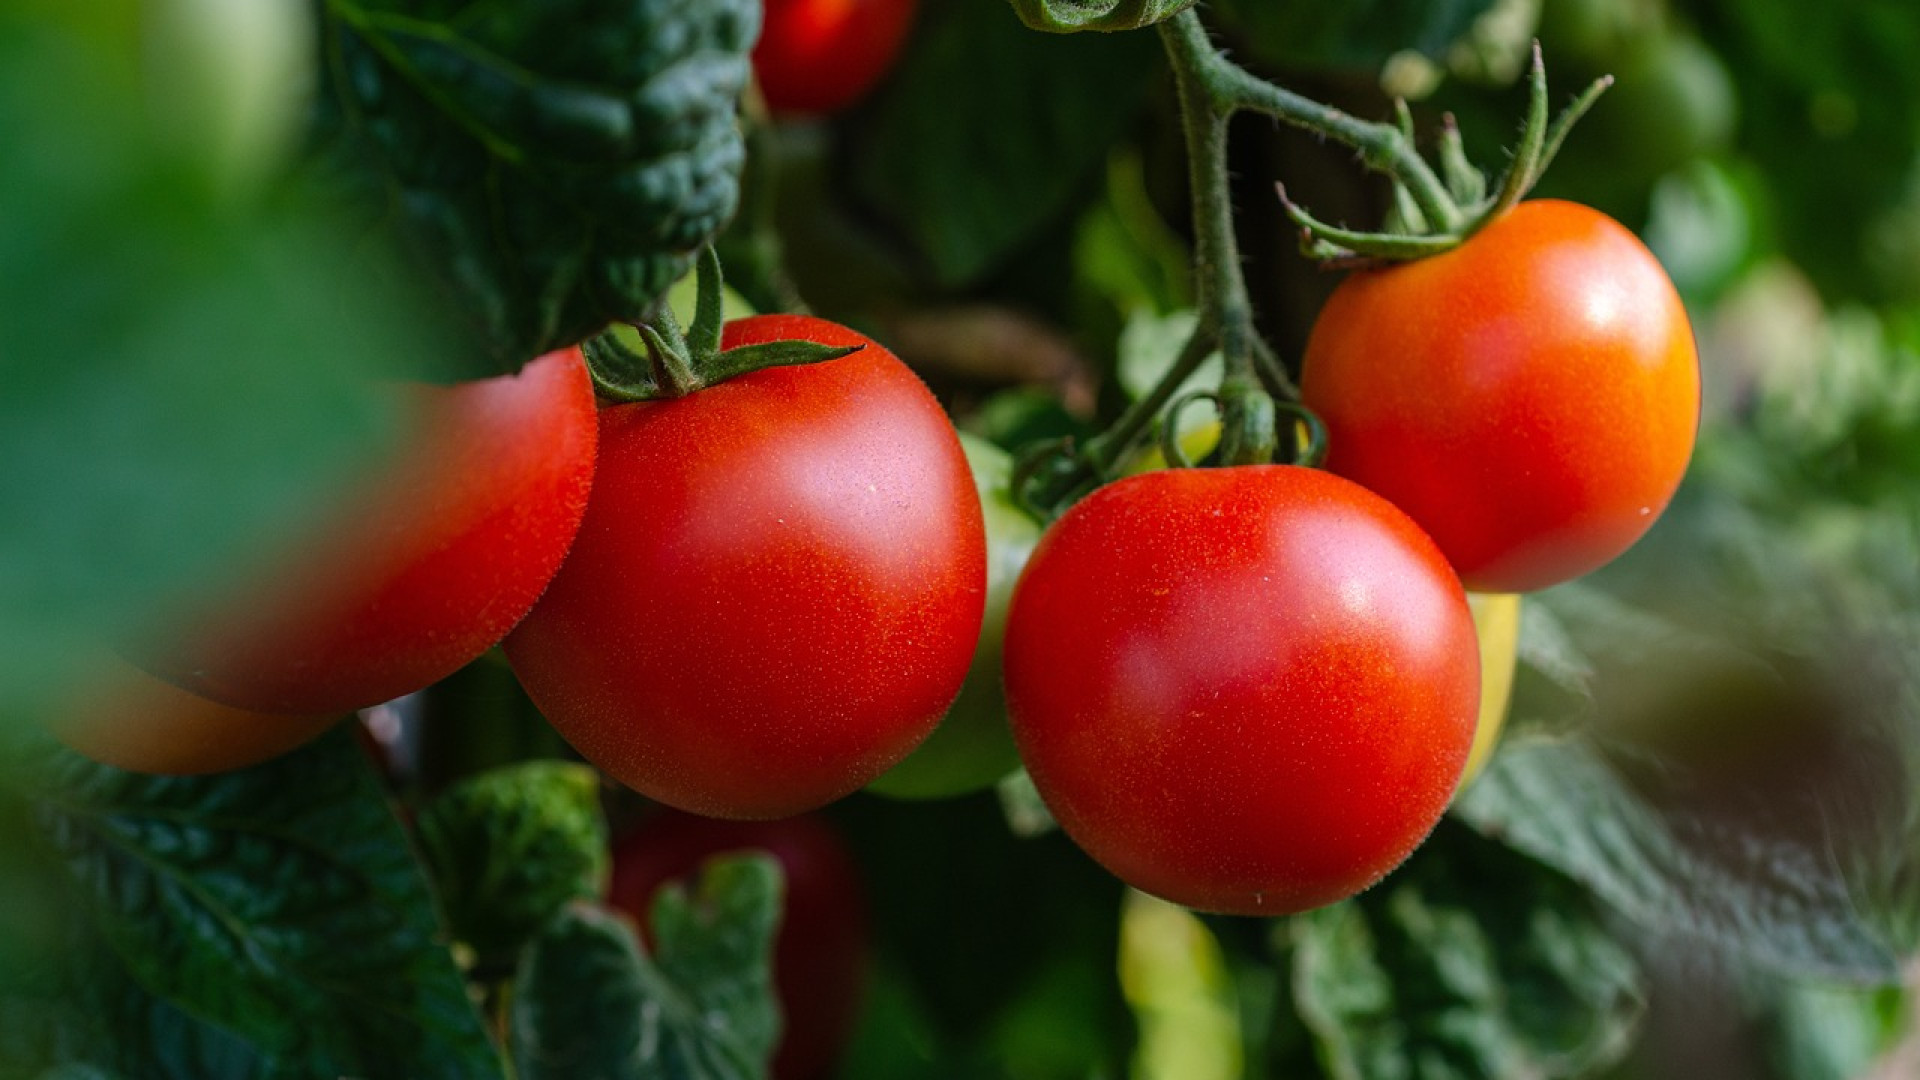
x,y
972,747
820,947
427,569
818,56
776,591
1530,397
133,721
1246,690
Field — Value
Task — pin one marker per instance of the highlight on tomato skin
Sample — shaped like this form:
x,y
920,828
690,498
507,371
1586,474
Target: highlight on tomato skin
x,y
777,589
130,720
820,56
1246,690
1531,397
821,947
415,573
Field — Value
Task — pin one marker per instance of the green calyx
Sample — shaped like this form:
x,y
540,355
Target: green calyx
x,y
1457,202
1073,16
680,362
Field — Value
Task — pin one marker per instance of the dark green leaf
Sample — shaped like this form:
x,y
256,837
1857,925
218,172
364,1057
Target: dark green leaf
x,y
1471,961
589,1005
971,176
273,920
1072,16
555,166
1357,35
509,848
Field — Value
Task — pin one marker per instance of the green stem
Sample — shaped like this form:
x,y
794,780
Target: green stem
x,y
1106,450
1229,88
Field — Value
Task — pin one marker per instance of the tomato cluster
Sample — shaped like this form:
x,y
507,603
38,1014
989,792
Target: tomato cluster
x,y
1249,689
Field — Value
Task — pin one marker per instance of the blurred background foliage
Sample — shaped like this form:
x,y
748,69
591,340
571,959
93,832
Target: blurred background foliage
x,y
1694,857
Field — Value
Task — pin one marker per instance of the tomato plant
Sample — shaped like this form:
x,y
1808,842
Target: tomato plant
x,y
819,56
777,589
1530,398
130,720
425,568
972,747
1245,690
820,948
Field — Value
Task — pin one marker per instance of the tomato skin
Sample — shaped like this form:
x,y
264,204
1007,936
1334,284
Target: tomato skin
x,y
1246,690
1530,398
821,946
819,56
133,721
776,591
423,570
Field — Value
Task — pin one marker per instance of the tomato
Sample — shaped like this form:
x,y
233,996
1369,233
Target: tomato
x,y
819,56
821,946
426,569
972,747
1529,398
1247,690
776,591
133,721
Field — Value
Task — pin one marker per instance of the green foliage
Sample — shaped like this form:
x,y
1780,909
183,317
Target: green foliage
x,y
1748,799
271,922
1469,961
589,1004
183,379
553,166
970,177
1072,16
509,848
1357,36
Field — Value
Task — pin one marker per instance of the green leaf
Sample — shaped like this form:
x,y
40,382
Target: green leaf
x,y
1073,16
273,920
510,847
1469,961
589,1005
1356,36
185,377
555,166
1741,796
970,177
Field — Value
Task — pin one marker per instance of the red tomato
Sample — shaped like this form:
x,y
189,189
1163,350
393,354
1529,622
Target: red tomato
x,y
818,56
1247,690
426,570
820,948
130,720
1530,398
777,588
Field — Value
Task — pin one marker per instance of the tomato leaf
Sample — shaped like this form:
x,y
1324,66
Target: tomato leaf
x,y
971,177
508,849
1073,16
1469,961
273,920
1355,37
555,166
185,375
1739,797
589,1002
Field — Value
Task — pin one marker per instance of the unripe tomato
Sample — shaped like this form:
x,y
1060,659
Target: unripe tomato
x,y
424,571
820,947
819,56
972,747
776,591
1246,690
1529,398
133,721
1496,621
